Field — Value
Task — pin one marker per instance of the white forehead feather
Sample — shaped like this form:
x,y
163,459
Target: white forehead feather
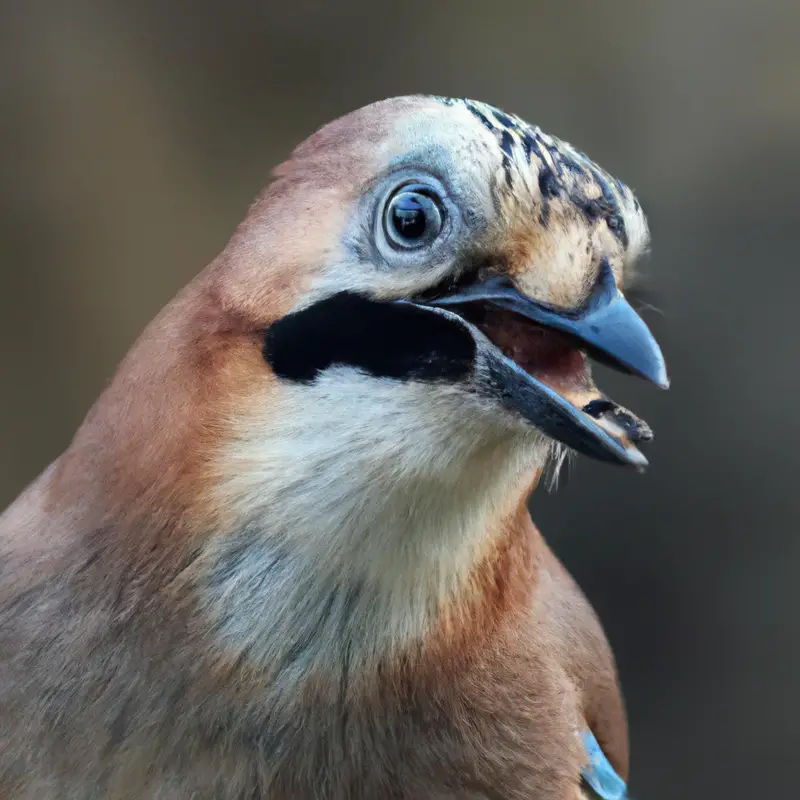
x,y
516,171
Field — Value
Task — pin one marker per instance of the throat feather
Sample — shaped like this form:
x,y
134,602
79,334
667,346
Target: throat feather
x,y
368,518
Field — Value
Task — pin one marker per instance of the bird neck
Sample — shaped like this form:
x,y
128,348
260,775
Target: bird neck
x,y
362,527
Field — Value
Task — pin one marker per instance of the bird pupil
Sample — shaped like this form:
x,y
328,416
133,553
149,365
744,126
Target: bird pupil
x,y
408,215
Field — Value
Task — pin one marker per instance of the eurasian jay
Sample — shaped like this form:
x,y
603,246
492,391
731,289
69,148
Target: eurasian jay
x,y
288,554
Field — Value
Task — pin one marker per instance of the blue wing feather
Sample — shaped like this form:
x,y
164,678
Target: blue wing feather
x,y
599,774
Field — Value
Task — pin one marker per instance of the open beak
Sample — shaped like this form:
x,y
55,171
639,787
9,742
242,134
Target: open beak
x,y
536,361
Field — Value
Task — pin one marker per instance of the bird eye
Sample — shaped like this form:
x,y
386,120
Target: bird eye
x,y
413,217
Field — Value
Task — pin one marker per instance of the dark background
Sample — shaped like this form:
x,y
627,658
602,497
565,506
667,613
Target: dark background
x,y
134,135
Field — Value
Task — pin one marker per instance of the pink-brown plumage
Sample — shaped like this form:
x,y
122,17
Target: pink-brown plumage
x,y
139,575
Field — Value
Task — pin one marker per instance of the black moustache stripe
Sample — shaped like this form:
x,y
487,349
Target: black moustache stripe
x,y
384,339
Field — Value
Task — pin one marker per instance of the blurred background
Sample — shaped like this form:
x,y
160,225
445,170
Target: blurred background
x,y
133,136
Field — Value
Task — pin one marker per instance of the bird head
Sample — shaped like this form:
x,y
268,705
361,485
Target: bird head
x,y
428,264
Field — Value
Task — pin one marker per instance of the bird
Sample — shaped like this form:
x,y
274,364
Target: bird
x,y
288,553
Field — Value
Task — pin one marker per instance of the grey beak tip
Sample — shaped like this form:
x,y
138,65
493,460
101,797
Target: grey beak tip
x,y
637,460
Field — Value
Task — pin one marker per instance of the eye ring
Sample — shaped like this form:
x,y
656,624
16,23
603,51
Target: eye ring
x,y
413,216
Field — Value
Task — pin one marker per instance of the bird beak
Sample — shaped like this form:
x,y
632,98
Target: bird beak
x,y
536,360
